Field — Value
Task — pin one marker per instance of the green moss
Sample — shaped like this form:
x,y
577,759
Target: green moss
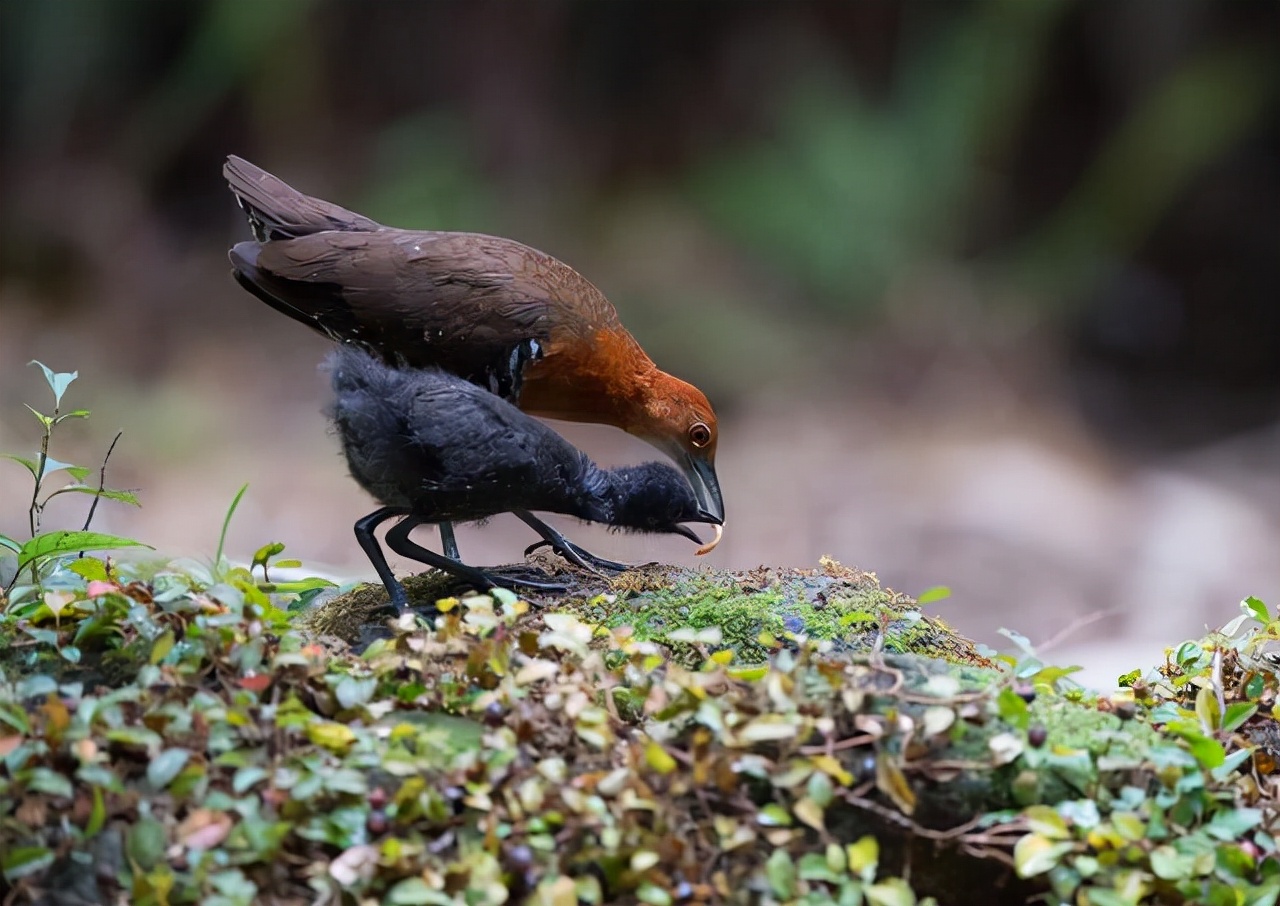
x,y
832,603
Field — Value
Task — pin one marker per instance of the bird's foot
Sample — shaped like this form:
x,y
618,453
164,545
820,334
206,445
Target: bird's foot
x,y
514,582
579,557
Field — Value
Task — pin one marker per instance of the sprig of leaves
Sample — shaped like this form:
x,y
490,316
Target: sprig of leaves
x,y
43,547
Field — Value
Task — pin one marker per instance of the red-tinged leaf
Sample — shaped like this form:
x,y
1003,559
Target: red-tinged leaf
x,y
204,829
97,588
8,744
255,682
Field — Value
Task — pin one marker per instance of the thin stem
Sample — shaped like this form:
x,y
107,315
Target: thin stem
x,y
33,513
102,482
36,508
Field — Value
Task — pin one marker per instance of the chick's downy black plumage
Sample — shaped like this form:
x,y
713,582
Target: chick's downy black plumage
x,y
434,448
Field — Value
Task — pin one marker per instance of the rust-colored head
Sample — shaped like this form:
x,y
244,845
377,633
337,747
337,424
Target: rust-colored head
x,y
677,419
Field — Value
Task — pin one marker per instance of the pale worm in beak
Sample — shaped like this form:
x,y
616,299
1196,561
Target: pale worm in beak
x,y
711,545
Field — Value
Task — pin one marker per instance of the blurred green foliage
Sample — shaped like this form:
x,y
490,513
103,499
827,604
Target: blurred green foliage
x,y
847,194
839,152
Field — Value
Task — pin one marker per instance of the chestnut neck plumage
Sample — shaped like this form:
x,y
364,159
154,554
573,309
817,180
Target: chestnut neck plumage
x,y
604,379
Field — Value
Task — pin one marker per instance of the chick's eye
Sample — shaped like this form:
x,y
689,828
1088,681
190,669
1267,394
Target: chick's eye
x,y
699,434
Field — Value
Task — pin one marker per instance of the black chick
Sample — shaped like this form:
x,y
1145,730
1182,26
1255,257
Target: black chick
x,y
435,448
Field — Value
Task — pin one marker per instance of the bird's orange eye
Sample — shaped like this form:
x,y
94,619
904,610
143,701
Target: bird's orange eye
x,y
699,434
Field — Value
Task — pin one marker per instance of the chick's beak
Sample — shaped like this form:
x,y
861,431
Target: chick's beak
x,y
686,532
701,473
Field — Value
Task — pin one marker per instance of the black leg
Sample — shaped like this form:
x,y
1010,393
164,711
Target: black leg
x,y
398,540
448,541
566,548
364,535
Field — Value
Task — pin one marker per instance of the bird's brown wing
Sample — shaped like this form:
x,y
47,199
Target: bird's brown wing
x,y
276,210
478,306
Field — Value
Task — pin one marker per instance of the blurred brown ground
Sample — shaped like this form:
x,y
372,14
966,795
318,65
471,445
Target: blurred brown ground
x,y
985,293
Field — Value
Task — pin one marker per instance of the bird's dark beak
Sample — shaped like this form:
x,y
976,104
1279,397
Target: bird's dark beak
x,y
706,487
687,532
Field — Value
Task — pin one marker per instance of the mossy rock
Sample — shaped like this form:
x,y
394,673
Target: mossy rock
x,y
847,607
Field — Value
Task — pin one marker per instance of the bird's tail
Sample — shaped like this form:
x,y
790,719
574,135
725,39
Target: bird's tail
x,y
276,210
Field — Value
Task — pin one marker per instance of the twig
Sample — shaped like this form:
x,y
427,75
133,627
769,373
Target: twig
x,y
1072,628
33,513
102,483
961,831
830,746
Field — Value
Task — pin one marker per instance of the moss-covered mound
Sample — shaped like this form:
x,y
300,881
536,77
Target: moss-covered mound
x,y
663,737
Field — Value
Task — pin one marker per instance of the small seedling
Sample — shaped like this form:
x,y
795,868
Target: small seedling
x,y
44,546
223,571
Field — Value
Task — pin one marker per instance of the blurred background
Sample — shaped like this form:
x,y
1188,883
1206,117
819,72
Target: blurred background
x,y
984,293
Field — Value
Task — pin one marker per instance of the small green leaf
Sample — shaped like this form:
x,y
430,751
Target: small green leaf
x,y
110,494
1013,708
810,813
74,413
864,857
353,691
932,595
1231,763
774,815
1207,709
1206,750
161,647
1233,823
89,568
650,893
891,892
415,892
139,737
23,861
247,777
781,872
1035,854
1236,714
1045,821
331,735
226,524
50,782
165,766
29,464
65,542
266,552
1256,609
659,758
45,420
301,586
97,814
146,843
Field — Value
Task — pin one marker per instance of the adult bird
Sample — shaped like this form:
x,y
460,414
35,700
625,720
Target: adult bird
x,y
433,448
500,314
